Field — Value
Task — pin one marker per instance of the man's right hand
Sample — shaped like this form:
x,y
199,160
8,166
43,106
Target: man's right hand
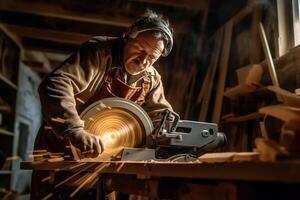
x,y
90,145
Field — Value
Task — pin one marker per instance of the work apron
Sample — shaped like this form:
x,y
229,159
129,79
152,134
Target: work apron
x,y
112,86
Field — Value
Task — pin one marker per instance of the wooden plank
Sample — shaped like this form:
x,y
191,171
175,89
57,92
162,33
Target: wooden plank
x,y
211,75
5,172
11,35
269,150
285,171
190,4
217,157
289,98
244,118
229,157
239,90
44,34
223,73
49,9
8,82
284,113
6,132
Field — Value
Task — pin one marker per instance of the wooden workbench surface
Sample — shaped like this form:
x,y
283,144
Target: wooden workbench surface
x,y
283,171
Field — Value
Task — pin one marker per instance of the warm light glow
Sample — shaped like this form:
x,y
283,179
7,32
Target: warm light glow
x,y
117,128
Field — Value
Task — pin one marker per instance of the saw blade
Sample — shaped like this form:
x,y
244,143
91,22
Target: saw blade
x,y
119,123
117,127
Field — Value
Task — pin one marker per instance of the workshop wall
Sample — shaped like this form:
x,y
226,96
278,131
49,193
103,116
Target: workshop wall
x,y
234,88
28,121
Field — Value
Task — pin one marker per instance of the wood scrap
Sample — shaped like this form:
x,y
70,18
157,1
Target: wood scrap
x,y
246,156
269,150
249,74
229,157
216,157
58,159
297,91
290,137
243,118
240,90
282,112
289,98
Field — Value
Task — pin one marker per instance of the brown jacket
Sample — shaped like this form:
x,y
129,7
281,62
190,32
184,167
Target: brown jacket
x,y
75,81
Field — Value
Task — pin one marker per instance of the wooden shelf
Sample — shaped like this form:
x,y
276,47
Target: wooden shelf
x,y
6,132
8,82
245,90
5,172
5,108
243,118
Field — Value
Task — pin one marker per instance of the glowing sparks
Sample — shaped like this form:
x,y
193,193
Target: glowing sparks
x,y
48,128
57,119
13,158
120,167
91,119
80,100
91,178
48,196
46,179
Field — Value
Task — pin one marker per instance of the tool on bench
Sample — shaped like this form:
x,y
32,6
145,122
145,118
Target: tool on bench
x,y
127,133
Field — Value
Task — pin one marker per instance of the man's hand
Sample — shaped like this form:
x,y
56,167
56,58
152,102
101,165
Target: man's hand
x,y
90,145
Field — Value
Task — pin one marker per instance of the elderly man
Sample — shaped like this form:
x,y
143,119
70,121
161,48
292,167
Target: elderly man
x,y
101,68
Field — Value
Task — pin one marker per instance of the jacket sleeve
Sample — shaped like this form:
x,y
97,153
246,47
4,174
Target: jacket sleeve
x,y
156,102
57,91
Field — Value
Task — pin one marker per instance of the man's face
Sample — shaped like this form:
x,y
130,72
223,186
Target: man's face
x,y
141,52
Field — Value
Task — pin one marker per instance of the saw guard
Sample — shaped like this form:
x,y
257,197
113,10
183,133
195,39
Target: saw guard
x,y
133,122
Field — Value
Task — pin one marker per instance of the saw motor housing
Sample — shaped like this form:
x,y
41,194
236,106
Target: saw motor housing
x,y
187,136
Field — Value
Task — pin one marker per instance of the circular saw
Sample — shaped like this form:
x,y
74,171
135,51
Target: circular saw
x,y
119,123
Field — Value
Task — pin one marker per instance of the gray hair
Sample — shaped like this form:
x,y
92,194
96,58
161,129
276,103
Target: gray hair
x,y
158,25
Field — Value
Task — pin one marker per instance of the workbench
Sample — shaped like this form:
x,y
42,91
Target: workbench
x,y
188,180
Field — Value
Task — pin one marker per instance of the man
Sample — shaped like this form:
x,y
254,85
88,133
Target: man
x,y
103,68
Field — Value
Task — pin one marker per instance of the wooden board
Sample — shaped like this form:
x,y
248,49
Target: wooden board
x,y
281,112
222,73
289,98
207,89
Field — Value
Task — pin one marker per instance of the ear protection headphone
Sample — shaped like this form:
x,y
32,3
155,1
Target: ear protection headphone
x,y
153,24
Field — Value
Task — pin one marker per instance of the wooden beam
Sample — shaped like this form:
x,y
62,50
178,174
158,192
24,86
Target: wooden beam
x,y
56,57
34,58
211,74
48,46
58,24
190,4
14,38
51,35
49,9
222,73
